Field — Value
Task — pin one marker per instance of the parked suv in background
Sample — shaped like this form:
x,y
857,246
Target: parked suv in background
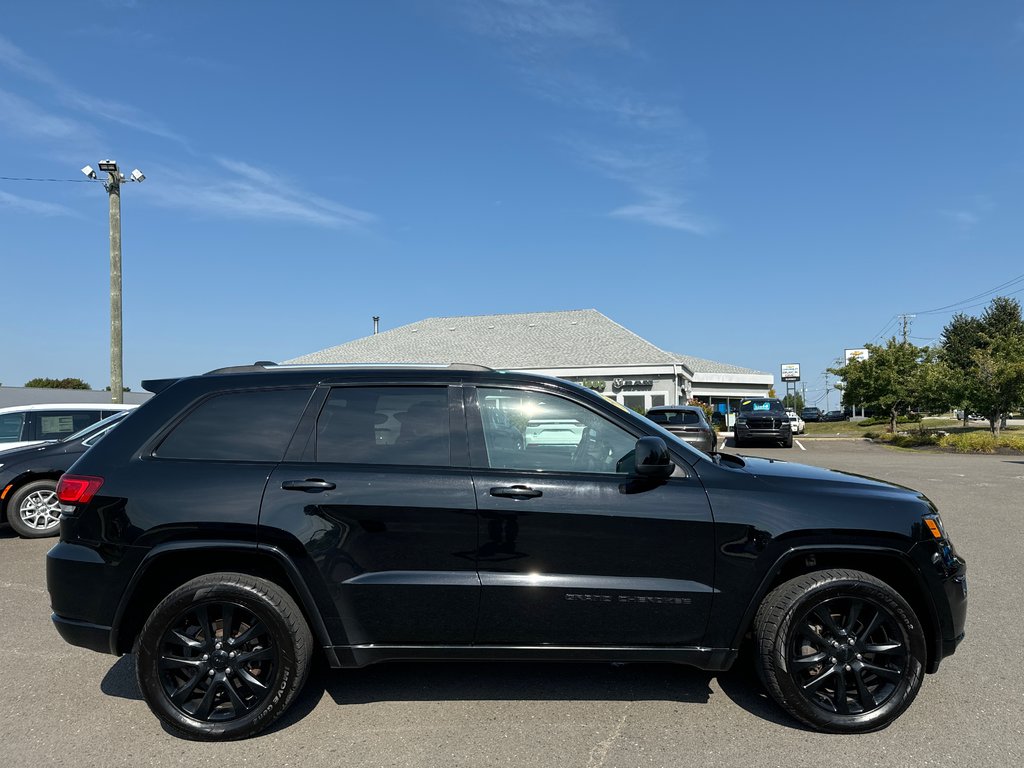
x,y
688,423
762,419
28,479
247,519
796,424
811,414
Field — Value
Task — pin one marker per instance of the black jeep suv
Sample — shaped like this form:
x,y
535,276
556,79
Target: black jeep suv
x,y
243,520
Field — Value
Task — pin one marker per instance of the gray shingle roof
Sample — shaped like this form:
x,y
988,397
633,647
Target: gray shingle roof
x,y
577,338
570,339
700,365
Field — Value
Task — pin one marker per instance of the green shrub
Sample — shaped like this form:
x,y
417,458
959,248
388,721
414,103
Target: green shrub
x,y
970,442
914,439
1012,441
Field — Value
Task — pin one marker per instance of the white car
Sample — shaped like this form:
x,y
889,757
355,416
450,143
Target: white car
x,y
796,423
22,425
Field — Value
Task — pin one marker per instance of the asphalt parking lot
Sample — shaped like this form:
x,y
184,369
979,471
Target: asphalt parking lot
x,y
66,706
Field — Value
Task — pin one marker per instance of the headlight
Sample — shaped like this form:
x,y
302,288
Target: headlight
x,y
934,525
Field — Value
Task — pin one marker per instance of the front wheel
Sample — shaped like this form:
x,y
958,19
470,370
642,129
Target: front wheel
x,y
223,656
34,511
840,650
788,441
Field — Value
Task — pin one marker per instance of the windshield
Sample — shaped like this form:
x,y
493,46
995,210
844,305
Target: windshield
x,y
94,428
764,404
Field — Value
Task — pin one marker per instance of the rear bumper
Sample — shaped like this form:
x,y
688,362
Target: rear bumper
x,y
95,637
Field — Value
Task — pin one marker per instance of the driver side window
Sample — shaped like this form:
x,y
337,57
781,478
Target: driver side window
x,y
541,432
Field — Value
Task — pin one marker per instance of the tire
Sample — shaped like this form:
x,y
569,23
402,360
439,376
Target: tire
x,y
736,441
840,650
190,674
33,510
788,442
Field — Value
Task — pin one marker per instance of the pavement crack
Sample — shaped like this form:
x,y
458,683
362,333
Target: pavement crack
x,y
599,754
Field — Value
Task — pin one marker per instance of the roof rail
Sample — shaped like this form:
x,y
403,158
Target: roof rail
x,y
259,365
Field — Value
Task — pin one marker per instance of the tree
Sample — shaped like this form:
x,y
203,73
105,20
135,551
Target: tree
x,y
895,378
983,361
794,402
58,383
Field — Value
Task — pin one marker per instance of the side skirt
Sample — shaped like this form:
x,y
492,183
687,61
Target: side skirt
x,y
711,659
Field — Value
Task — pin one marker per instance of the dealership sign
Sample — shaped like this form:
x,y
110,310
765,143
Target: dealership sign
x,y
856,354
791,371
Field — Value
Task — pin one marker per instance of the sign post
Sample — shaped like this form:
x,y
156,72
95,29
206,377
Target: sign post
x,y
790,376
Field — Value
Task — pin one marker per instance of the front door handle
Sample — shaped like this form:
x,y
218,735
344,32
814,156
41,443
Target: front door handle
x,y
310,485
516,492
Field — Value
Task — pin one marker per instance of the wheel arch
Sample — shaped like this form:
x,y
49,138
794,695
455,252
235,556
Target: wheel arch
x,y
23,479
168,566
892,566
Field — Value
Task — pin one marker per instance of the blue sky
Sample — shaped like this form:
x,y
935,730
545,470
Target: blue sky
x,y
756,183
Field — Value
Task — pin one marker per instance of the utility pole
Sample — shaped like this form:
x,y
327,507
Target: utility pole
x,y
905,319
113,187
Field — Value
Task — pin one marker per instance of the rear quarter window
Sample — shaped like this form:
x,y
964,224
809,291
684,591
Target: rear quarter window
x,y
237,426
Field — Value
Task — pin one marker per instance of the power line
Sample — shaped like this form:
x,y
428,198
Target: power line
x,y
981,295
28,178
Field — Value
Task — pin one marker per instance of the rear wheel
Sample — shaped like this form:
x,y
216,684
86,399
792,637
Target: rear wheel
x,y
223,656
840,650
34,511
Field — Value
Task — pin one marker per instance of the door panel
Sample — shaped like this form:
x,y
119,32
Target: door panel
x,y
389,524
573,551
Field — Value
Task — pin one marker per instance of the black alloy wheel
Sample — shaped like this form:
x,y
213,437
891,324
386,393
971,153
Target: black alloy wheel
x,y
223,656
840,650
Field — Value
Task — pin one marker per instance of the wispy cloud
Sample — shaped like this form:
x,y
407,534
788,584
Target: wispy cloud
x,y
16,60
655,177
38,207
253,193
966,218
536,23
642,141
242,191
22,117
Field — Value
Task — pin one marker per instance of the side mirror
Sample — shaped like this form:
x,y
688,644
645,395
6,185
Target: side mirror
x,y
652,460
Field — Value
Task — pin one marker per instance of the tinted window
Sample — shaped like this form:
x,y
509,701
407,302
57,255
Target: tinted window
x,y
10,427
238,426
674,417
766,404
530,430
55,425
385,425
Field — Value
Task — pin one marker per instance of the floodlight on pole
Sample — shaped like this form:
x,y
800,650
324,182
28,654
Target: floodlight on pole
x,y
113,187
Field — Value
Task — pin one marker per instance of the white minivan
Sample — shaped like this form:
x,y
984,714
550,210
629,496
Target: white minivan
x,y
22,425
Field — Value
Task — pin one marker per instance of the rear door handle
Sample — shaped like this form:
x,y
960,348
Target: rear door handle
x,y
310,485
516,492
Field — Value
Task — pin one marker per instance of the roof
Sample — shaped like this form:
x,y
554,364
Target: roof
x,y
570,339
701,365
578,338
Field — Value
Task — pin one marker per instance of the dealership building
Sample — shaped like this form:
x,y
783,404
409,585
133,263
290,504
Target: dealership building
x,y
582,345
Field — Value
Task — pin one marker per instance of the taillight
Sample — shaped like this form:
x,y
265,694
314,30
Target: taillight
x,y
77,489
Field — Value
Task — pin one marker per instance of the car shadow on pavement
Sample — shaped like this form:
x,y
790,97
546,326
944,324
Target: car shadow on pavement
x,y
120,680
507,681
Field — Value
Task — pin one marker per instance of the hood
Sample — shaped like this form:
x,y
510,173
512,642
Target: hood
x,y
771,470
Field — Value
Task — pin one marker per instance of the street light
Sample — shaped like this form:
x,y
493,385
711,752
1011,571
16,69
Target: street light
x,y
113,187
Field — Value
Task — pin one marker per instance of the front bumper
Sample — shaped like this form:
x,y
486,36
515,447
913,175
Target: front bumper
x,y
744,432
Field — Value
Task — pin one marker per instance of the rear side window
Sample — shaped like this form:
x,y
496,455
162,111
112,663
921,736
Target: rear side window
x,y
238,426
385,425
10,427
674,417
55,425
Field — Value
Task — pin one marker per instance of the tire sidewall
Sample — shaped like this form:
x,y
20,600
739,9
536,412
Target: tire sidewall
x,y
14,511
148,646
906,690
